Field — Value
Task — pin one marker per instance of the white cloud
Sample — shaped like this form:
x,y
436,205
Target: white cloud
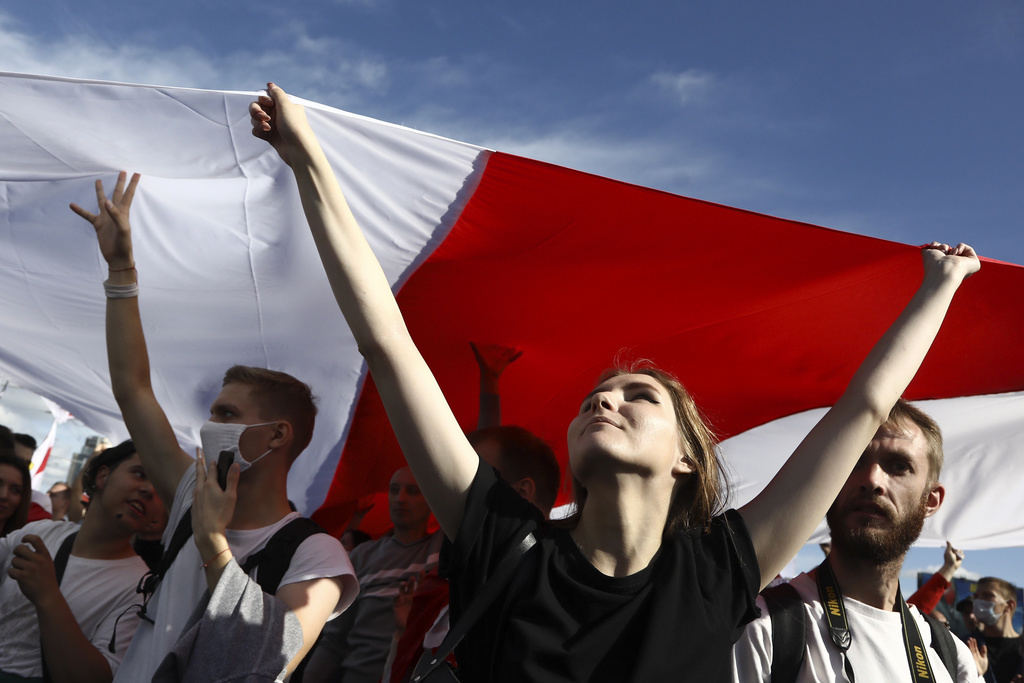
x,y
692,86
317,68
442,95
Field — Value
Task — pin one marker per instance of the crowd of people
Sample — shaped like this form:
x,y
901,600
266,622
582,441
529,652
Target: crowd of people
x,y
198,569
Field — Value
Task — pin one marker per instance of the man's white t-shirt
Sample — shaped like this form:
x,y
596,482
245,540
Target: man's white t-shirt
x,y
877,651
97,592
319,556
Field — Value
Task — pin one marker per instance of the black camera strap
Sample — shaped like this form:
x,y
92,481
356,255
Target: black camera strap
x,y
839,628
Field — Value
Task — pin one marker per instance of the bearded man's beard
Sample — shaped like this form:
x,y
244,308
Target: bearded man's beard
x,y
879,544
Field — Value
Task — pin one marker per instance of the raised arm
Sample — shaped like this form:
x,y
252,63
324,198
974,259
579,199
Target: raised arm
x,y
434,445
782,517
492,360
154,438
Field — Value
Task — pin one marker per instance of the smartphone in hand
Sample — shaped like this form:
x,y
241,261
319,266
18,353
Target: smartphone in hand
x,y
223,465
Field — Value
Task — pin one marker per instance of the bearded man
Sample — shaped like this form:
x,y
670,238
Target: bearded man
x,y
854,624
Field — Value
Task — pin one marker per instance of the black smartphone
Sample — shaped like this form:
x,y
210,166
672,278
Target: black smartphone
x,y
223,464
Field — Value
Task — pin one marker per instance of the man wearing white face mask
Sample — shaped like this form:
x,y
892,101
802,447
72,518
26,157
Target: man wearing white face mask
x,y
265,420
995,601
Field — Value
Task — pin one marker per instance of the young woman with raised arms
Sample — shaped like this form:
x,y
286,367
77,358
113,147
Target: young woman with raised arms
x,y
650,581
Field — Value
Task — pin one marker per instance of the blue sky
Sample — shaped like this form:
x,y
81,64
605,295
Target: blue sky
x,y
898,120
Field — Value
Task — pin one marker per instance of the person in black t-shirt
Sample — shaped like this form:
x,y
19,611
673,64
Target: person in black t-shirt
x,y
649,576
995,601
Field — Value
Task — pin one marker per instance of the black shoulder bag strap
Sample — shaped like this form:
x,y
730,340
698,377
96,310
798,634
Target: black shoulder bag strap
x,y
487,595
839,628
151,579
60,563
789,631
276,556
942,642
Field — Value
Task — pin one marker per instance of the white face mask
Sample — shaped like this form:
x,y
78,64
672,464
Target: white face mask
x,y
985,612
217,437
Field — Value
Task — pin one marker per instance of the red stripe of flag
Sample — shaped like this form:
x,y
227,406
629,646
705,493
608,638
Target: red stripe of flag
x,y
760,317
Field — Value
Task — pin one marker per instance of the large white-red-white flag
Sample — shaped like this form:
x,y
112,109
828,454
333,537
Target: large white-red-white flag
x,y
764,319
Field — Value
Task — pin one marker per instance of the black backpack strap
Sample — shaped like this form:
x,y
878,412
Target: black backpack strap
x,y
60,560
60,563
275,557
151,579
789,631
506,569
182,533
942,642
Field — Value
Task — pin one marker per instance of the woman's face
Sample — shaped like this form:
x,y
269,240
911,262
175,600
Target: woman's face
x,y
629,423
12,487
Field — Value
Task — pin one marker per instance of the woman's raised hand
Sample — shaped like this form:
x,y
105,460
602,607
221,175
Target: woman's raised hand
x,y
281,122
959,261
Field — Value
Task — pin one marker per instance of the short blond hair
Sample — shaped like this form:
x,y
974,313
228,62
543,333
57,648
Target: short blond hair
x,y
279,396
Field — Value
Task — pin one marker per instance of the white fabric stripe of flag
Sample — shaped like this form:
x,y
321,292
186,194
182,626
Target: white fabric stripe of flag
x,y
983,441
228,271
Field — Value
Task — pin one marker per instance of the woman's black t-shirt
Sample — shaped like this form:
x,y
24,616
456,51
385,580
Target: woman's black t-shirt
x,y
563,620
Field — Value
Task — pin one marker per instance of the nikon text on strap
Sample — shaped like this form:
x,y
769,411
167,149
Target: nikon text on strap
x,y
842,636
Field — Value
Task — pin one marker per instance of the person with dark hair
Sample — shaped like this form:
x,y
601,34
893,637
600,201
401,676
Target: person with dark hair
x,y
6,439
874,520
966,610
15,496
25,445
650,578
354,647
40,508
262,419
528,465
67,591
995,601
523,459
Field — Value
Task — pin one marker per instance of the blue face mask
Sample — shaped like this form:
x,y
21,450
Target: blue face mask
x,y
217,437
985,612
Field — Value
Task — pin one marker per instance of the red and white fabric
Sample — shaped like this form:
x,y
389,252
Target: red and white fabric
x,y
763,319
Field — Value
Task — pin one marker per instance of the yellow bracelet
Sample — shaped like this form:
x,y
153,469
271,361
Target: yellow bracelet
x,y
207,565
